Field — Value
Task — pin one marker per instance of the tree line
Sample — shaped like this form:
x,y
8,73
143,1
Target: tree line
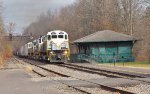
x,y
84,17
5,48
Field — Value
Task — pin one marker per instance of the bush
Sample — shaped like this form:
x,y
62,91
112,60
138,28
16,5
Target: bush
x,y
5,53
1,61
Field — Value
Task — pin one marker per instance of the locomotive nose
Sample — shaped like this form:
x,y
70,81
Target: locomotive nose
x,y
58,42
58,57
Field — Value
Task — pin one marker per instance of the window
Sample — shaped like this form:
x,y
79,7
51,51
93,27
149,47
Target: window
x,y
49,37
34,43
43,39
39,40
65,36
60,36
54,36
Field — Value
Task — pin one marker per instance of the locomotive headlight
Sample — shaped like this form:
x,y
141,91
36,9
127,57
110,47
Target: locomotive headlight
x,y
51,52
65,52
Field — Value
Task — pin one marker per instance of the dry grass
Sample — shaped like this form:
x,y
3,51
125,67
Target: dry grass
x,y
133,64
1,61
5,54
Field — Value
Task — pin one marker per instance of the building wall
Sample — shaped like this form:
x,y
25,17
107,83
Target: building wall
x,y
108,52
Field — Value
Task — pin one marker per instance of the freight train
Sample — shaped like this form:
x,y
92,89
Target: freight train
x,y
53,47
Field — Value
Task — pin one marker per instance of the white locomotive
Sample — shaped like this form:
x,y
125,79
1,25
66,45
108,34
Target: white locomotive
x,y
53,47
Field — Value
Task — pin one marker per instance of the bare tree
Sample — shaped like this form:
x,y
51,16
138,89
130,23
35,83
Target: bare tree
x,y
1,37
1,22
11,27
147,24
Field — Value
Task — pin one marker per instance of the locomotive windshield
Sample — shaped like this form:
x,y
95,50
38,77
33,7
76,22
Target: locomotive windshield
x,y
54,36
49,37
60,36
65,36
28,45
40,41
34,43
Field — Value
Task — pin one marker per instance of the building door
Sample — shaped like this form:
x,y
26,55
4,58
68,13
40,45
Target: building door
x,y
111,52
94,52
125,51
102,56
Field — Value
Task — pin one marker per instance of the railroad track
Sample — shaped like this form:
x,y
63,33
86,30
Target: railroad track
x,y
104,72
104,87
99,71
88,71
62,75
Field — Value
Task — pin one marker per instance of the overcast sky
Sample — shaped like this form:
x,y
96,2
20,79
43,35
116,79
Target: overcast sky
x,y
23,12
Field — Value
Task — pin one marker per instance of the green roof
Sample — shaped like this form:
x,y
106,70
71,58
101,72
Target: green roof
x,y
105,36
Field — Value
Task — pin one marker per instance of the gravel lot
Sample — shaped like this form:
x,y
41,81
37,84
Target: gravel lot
x,y
11,64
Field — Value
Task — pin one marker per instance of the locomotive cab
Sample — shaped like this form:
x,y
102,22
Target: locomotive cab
x,y
39,47
35,49
29,49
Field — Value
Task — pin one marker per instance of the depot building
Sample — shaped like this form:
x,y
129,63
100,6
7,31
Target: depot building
x,y
105,47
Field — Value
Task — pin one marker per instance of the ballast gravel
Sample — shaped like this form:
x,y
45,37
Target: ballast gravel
x,y
95,90
138,89
73,73
67,90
